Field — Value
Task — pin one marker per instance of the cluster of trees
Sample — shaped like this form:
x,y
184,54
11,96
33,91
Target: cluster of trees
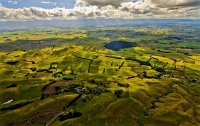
x,y
95,91
12,62
144,74
15,106
11,86
115,57
42,70
139,61
185,53
33,69
160,70
123,85
132,77
118,93
80,89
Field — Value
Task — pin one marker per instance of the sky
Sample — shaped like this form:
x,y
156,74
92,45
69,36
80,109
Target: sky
x,y
22,10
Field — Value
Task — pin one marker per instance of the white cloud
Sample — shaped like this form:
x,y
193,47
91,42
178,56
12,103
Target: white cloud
x,y
47,2
13,2
107,9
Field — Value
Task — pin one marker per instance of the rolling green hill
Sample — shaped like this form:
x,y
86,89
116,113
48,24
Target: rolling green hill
x,y
80,82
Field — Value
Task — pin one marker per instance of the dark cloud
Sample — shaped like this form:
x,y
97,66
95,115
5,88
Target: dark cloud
x,y
190,3
101,3
172,3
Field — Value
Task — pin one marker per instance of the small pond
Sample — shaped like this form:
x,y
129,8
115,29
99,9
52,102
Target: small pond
x,y
117,45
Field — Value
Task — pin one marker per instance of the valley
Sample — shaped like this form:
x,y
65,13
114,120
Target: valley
x,y
116,75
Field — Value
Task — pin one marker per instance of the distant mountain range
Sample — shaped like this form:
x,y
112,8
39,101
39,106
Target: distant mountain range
x,y
10,25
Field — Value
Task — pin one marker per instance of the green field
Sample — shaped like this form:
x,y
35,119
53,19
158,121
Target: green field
x,y
50,73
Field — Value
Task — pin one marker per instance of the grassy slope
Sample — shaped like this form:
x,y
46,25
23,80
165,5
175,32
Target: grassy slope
x,y
179,107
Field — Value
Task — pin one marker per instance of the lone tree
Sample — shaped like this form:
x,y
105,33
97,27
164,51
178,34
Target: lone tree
x,y
104,70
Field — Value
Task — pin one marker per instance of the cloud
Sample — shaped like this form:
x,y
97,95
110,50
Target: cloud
x,y
35,13
107,9
173,3
100,3
160,3
13,2
47,2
